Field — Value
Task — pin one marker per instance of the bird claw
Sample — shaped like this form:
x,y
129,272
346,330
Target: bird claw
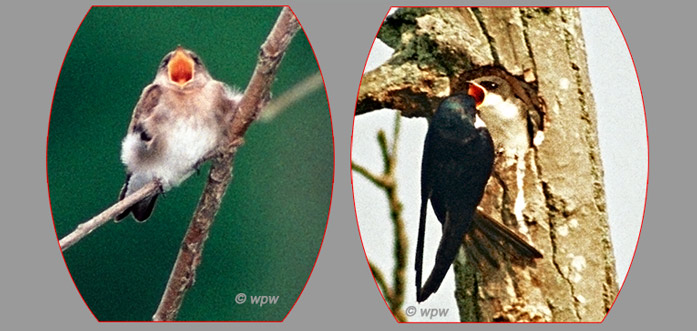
x,y
235,142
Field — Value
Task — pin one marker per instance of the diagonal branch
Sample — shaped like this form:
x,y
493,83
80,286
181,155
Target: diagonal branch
x,y
259,89
255,98
86,228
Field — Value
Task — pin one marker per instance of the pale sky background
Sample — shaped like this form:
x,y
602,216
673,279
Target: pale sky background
x,y
623,147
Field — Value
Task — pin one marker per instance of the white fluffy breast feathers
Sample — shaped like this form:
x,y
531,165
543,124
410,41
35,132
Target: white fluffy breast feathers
x,y
495,106
179,147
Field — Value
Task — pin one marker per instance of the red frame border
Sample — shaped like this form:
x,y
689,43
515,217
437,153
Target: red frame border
x,y
333,170
648,170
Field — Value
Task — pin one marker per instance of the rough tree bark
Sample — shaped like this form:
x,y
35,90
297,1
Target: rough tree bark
x,y
560,178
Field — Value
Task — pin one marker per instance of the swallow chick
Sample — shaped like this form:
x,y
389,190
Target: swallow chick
x,y
180,118
512,122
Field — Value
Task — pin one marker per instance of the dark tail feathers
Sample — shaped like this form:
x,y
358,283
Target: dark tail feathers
x,y
447,251
497,232
141,210
483,228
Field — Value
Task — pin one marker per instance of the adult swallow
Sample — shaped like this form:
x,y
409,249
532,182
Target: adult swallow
x,y
181,117
457,161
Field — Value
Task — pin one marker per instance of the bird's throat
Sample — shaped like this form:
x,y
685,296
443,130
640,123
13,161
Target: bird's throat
x,y
477,92
181,68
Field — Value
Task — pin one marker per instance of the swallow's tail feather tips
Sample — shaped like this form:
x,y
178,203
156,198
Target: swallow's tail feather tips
x,y
123,215
418,264
494,231
453,233
143,209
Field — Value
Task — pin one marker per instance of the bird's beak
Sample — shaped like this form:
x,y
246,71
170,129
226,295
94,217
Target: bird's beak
x,y
477,92
180,67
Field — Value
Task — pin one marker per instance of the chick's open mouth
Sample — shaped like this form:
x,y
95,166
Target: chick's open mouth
x,y
477,92
181,68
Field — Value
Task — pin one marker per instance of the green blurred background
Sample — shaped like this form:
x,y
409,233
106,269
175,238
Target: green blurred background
x,y
268,232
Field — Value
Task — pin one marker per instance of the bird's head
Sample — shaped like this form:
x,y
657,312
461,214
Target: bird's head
x,y
505,113
489,91
183,68
456,115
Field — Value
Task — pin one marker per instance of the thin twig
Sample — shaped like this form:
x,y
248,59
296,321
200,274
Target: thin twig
x,y
400,242
389,295
393,295
386,155
86,228
378,180
380,279
255,97
299,91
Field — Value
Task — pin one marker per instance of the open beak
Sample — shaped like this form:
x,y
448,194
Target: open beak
x,y
180,67
477,92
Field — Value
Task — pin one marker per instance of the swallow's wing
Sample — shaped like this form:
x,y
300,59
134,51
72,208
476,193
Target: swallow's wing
x,y
145,106
426,189
458,178
495,231
229,102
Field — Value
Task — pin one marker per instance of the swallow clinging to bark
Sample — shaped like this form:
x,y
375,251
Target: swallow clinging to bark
x,y
458,159
456,164
180,119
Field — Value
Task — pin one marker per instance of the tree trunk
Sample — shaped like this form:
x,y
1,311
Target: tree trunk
x,y
553,195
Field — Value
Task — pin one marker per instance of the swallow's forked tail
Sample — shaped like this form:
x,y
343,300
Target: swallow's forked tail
x,y
450,242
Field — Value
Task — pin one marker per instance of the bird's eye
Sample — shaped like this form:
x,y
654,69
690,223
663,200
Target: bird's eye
x,y
195,58
489,85
165,61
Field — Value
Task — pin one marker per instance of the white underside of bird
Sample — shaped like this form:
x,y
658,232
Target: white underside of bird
x,y
174,164
508,128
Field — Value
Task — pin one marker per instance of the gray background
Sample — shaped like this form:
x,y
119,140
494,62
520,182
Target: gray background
x,y
341,293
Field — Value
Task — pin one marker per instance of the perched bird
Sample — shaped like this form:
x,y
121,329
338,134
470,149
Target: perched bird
x,y
457,161
180,118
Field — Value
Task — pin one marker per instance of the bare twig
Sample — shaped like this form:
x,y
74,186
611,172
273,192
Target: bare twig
x,y
299,91
86,228
380,279
255,97
389,295
378,180
393,295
